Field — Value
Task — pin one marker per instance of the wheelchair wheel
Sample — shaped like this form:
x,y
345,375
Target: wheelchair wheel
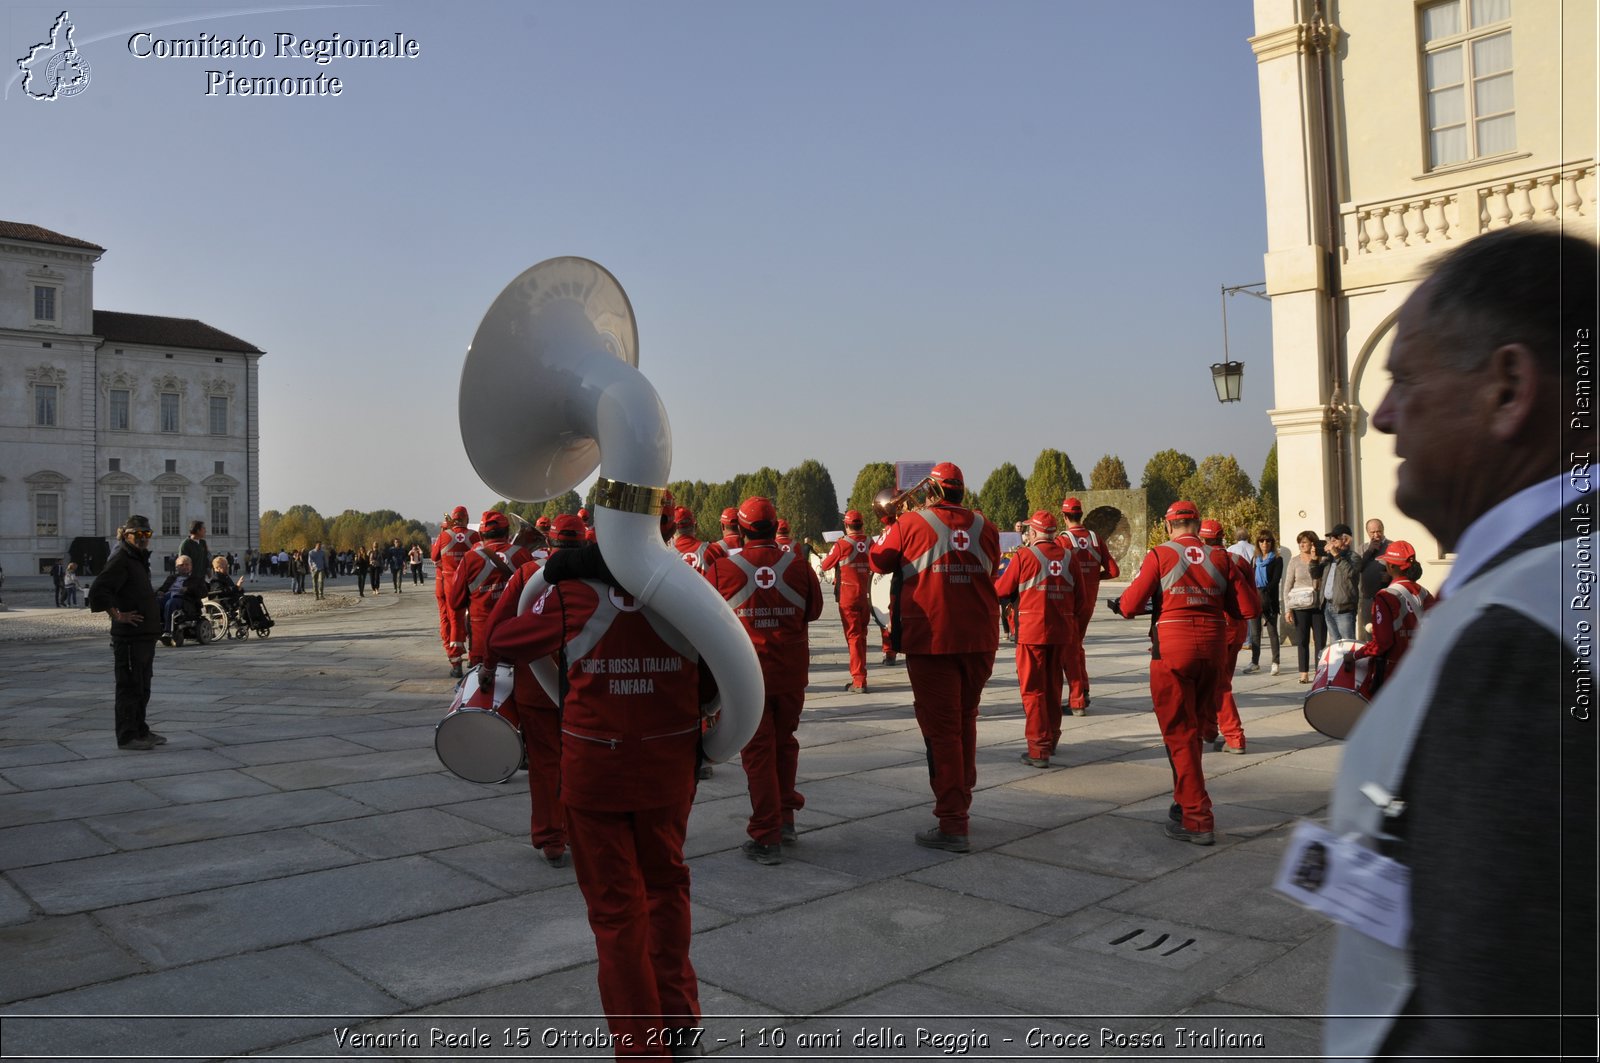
x,y
205,632
263,632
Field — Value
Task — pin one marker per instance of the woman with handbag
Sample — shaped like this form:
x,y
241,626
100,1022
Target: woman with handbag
x,y
1269,575
1302,596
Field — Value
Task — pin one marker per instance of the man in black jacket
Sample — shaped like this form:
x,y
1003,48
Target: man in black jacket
x,y
124,591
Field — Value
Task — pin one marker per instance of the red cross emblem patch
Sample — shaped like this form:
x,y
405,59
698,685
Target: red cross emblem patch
x,y
960,539
861,546
689,557
1055,568
623,600
1194,554
461,538
765,578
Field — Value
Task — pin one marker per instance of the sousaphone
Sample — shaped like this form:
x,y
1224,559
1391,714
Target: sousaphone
x,y
550,391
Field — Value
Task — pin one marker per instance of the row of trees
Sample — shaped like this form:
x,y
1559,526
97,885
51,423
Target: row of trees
x,y
806,498
302,527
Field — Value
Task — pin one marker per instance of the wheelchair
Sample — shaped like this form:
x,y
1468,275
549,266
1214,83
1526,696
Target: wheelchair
x,y
237,614
204,624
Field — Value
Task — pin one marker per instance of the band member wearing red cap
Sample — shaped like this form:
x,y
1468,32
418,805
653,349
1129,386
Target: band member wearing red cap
x,y
948,626
1191,591
1396,610
454,540
775,595
1094,563
630,722
1048,594
853,588
730,530
689,546
1221,726
782,537
537,714
588,524
482,574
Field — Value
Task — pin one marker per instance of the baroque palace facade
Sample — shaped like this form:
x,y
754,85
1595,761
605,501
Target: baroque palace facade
x,y
103,414
1392,132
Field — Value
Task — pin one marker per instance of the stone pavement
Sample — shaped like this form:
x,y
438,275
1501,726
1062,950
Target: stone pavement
x,y
295,874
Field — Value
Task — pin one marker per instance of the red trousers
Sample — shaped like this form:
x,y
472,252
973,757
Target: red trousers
x,y
1223,717
1074,664
479,617
856,618
452,625
946,689
541,740
771,759
1182,684
1039,676
631,872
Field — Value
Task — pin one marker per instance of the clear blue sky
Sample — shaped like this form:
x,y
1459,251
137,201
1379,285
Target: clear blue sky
x,y
851,232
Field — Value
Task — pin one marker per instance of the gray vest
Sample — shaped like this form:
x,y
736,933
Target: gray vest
x,y
1371,981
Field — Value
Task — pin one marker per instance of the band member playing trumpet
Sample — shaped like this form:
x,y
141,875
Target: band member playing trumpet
x,y
630,736
853,586
537,715
1043,580
454,540
948,626
775,595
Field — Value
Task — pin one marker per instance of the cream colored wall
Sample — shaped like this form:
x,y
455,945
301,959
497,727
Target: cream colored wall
x,y
1396,216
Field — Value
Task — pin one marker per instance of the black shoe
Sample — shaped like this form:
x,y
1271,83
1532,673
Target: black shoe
x,y
1178,832
1035,762
934,838
704,772
137,743
456,672
888,659
1175,813
1215,742
166,640
762,854
788,834
158,739
557,859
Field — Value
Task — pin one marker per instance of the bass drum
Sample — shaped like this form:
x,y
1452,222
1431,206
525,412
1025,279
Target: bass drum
x,y
479,739
879,594
1339,695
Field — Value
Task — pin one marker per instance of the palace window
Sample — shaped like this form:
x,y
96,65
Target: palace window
x,y
169,411
46,514
44,302
119,410
44,405
117,508
171,515
218,524
219,415
1467,72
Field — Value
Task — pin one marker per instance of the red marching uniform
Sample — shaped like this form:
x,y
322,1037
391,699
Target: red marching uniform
x,y
948,626
1095,563
630,735
481,576
854,583
1049,597
1223,724
540,723
775,595
1396,613
448,550
1195,591
690,547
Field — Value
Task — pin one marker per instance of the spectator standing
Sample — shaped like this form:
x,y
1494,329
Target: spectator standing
x,y
196,550
1338,578
317,563
1302,596
58,579
395,559
124,592
416,564
1267,564
1372,575
69,585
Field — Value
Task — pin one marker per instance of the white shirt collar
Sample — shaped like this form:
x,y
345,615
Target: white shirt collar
x,y
1501,526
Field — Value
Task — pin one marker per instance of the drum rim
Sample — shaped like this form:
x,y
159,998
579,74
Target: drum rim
x,y
438,730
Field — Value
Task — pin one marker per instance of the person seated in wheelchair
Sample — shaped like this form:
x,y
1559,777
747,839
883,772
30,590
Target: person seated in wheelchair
x,y
180,596
222,586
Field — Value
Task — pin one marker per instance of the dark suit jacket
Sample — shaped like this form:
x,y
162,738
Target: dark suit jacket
x,y
1500,837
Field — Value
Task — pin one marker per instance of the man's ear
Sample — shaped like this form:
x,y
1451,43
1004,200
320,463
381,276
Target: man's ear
x,y
1510,391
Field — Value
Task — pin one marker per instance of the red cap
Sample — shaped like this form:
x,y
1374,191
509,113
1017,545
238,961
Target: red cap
x,y
756,510
783,527
1210,529
730,517
567,530
683,517
1182,510
459,514
1043,521
543,524
852,518
493,521
1399,553
1072,507
583,515
947,474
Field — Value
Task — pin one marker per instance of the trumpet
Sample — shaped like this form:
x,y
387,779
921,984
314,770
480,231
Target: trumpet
x,y
890,506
